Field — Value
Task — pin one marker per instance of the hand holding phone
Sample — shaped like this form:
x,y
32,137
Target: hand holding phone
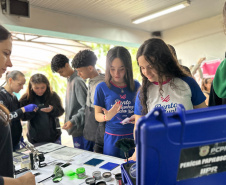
x,y
128,120
47,109
42,105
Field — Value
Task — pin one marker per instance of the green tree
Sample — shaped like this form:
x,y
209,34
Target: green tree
x,y
136,69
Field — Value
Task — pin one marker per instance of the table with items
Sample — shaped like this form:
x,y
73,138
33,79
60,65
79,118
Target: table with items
x,y
64,165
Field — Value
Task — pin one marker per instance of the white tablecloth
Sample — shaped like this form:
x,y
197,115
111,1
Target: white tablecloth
x,y
77,158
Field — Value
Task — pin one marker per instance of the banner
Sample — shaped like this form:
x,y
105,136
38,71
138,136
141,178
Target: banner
x,y
209,68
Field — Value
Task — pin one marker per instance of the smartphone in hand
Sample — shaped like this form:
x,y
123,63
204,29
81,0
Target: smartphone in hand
x,y
42,105
128,120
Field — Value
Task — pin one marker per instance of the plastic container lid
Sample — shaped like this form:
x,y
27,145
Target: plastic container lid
x,y
106,176
80,170
97,175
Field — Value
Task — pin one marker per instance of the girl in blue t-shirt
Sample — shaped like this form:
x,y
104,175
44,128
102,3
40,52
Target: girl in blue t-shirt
x,y
114,99
164,82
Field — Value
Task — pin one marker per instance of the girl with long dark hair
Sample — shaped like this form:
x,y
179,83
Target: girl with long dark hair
x,y
164,82
114,99
43,125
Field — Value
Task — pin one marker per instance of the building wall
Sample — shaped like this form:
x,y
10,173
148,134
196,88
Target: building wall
x,y
88,30
204,38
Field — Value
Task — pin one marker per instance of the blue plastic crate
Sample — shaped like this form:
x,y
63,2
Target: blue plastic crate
x,y
182,148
